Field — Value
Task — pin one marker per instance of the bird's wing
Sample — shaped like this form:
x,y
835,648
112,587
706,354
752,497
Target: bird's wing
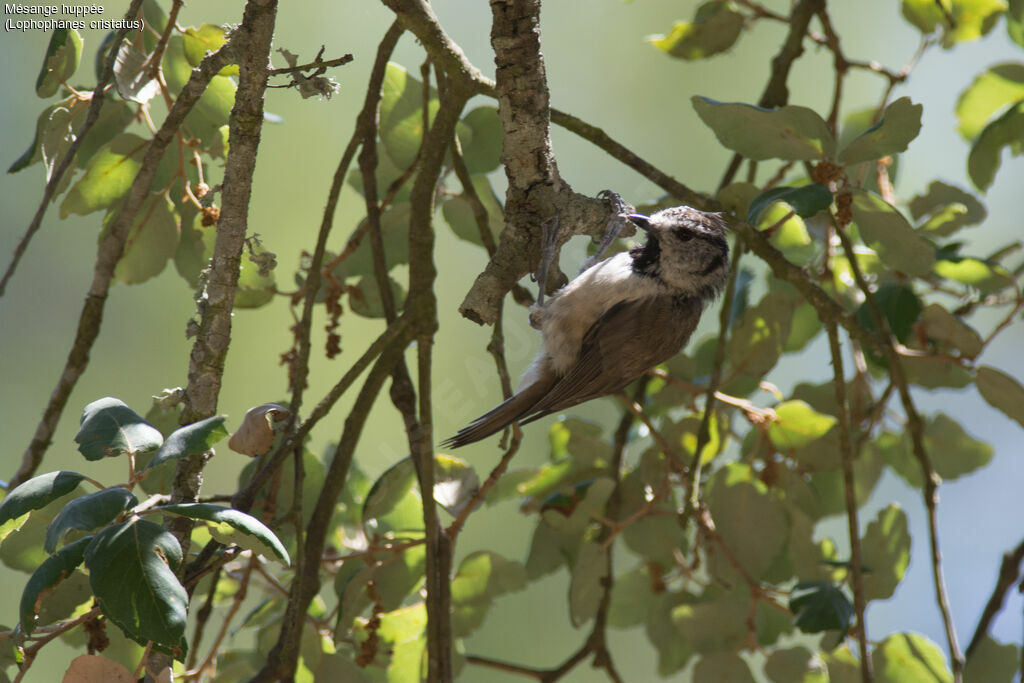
x,y
627,341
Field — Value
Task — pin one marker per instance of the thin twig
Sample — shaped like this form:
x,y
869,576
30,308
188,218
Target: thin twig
x,y
1009,574
317,64
849,487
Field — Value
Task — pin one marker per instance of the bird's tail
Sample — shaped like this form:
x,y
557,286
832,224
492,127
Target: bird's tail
x,y
510,410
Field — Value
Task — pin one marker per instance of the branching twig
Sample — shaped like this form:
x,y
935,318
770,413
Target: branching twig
x,y
91,117
1009,574
109,253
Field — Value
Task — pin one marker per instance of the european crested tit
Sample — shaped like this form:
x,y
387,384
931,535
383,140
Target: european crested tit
x,y
617,319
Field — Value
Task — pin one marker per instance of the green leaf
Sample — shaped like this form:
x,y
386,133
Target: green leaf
x,y
38,492
192,439
673,651
63,55
131,570
482,576
254,290
985,157
207,38
401,114
926,15
973,19
796,665
88,512
886,231
805,201
900,123
942,326
750,522
726,667
632,595
587,585
455,482
717,623
792,132
398,576
900,306
365,298
31,155
947,208
458,212
756,343
715,28
226,521
999,389
909,658
51,572
110,428
798,425
992,661
481,138
213,108
394,232
133,75
954,453
987,95
108,176
152,240
819,606
983,276
886,553
1015,21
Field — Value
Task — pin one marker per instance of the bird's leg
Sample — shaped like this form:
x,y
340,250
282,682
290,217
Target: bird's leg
x,y
548,249
616,222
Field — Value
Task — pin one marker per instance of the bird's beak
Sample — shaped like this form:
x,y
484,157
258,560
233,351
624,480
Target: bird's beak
x,y
641,221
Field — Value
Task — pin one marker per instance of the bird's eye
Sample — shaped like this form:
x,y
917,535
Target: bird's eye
x,y
684,235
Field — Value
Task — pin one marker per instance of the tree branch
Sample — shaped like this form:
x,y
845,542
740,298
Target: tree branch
x,y
1009,573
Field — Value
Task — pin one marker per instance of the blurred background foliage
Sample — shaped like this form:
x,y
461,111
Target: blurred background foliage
x,y
602,69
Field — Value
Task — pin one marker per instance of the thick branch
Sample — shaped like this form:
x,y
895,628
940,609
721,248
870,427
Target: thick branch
x,y
109,253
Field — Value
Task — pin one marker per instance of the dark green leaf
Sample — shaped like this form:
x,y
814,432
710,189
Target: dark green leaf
x,y
632,595
750,522
67,598
62,57
1005,131
728,667
38,492
673,651
718,623
131,570
819,606
714,29
458,212
900,123
110,428
805,201
455,482
796,665
88,512
1015,21
394,232
1000,390
885,553
792,132
756,343
365,299
900,306
954,453
885,230
829,487
226,521
947,208
992,661
909,658
586,588
108,176
481,140
151,243
51,572
987,95
192,439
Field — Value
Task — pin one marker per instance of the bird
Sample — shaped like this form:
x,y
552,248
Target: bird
x,y
617,319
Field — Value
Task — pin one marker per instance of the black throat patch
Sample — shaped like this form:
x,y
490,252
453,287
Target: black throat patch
x,y
645,258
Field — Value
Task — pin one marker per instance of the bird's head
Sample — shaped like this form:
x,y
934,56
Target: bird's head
x,y
685,248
